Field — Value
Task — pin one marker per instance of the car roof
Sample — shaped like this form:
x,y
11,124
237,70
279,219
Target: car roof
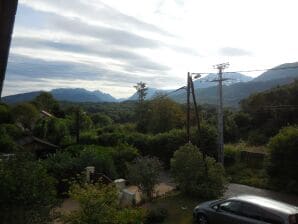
x,y
268,203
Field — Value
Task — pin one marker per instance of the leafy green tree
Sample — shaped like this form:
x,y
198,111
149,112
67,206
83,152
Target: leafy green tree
x,y
142,89
101,120
283,163
163,115
46,101
196,176
144,172
99,205
27,192
7,144
5,114
66,165
141,107
26,114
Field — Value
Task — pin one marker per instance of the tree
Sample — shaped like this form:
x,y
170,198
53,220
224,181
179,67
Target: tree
x,y
46,101
141,108
27,192
101,120
5,114
141,91
163,114
144,172
99,205
196,176
26,114
283,164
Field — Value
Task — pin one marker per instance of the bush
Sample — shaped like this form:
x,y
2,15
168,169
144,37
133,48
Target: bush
x,y
27,192
144,172
156,215
232,154
196,176
257,138
283,163
64,166
99,204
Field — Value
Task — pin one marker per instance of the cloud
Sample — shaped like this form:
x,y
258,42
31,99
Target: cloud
x,y
92,11
234,52
97,49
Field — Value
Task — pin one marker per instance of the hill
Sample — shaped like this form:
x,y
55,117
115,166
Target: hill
x,y
205,82
280,72
64,94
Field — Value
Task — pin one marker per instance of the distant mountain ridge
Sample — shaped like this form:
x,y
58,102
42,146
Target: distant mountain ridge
x,y
64,94
234,90
288,70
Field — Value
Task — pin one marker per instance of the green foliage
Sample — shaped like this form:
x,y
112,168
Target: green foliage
x,y
156,215
144,172
27,192
283,166
242,174
45,101
65,166
164,115
55,130
196,176
99,204
26,114
159,115
232,154
142,89
101,120
257,137
5,114
8,134
270,119
72,161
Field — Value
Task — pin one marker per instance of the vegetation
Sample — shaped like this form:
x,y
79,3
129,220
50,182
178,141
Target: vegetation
x,y
196,175
27,192
99,204
144,172
133,139
283,159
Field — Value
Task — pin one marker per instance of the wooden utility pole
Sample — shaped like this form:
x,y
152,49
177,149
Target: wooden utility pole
x,y
188,108
220,79
8,9
195,104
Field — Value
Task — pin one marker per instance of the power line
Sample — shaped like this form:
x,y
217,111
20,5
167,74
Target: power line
x,y
253,70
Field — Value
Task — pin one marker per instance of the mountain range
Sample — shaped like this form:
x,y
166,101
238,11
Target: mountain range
x,y
236,88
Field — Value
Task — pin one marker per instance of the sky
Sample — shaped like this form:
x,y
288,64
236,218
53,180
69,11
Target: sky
x,y
110,45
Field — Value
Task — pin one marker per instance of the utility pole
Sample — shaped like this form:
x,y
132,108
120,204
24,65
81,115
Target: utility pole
x,y
8,9
188,108
195,104
220,79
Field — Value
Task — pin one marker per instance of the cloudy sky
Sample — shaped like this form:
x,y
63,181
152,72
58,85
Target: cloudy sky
x,y
109,45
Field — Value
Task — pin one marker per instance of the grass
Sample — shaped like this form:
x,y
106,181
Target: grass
x,y
179,208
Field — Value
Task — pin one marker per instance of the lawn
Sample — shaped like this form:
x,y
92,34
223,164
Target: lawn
x,y
179,208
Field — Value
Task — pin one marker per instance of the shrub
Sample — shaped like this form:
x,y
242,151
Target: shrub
x,y
196,176
144,172
99,204
283,163
156,215
27,192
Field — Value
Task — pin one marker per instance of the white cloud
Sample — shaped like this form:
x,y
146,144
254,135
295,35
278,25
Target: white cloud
x,y
156,41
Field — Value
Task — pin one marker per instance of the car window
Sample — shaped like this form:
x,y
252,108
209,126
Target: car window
x,y
231,206
251,211
271,218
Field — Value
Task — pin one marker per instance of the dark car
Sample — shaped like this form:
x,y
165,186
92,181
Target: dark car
x,y
245,209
